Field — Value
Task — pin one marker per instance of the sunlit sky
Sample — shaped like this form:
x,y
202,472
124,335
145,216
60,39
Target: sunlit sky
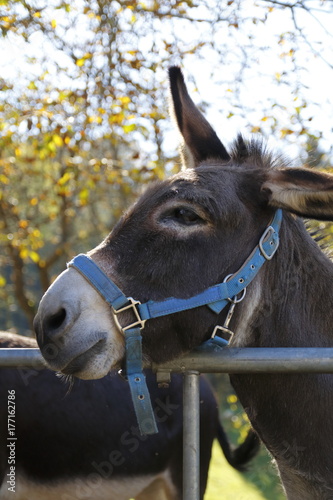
x,y
215,82
257,88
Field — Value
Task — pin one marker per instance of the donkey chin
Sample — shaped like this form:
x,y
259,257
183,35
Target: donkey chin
x,y
81,339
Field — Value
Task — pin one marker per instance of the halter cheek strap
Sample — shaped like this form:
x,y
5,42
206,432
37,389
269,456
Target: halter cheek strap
x,y
216,298
133,340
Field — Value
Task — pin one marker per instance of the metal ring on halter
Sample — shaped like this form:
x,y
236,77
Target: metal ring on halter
x,y
234,299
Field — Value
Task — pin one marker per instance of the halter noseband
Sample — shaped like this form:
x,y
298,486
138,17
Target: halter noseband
x,y
216,297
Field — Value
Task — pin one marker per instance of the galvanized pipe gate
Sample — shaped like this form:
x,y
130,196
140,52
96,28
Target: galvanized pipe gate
x,y
230,360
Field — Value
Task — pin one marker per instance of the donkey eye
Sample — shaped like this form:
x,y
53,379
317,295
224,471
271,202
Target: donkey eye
x,y
184,216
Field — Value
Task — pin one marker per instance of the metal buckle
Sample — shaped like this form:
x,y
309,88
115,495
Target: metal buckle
x,y
224,330
132,305
242,293
268,230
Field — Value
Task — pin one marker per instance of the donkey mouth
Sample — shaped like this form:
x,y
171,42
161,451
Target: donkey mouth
x,y
77,364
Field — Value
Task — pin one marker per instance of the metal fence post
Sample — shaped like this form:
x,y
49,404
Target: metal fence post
x,y
191,437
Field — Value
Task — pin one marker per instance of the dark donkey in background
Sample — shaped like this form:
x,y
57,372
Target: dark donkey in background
x,y
190,232
85,445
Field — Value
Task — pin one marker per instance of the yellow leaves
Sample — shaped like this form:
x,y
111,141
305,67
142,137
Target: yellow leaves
x,y
27,240
95,119
154,115
285,131
50,146
239,419
53,24
83,234
237,422
32,85
4,179
2,281
34,256
232,398
113,177
122,116
92,15
58,141
33,201
23,224
35,233
117,118
65,178
25,253
82,60
84,196
289,53
125,100
43,154
129,128
8,22
66,6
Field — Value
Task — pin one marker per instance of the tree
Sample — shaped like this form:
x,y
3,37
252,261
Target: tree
x,y
83,121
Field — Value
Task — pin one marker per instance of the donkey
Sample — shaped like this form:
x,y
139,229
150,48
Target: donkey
x,y
189,233
86,445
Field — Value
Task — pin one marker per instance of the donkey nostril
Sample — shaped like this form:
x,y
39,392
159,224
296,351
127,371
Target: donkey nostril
x,y
56,320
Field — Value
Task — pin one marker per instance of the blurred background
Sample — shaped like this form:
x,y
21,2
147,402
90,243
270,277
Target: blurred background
x,y
84,126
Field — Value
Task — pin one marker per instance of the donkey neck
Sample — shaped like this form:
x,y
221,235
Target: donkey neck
x,y
294,308
291,302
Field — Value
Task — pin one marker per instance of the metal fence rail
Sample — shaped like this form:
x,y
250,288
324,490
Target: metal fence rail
x,y
29,358
227,360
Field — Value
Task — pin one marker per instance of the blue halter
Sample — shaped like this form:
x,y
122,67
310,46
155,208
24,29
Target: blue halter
x,y
216,297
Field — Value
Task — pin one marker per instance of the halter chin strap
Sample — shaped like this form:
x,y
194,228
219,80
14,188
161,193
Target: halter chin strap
x,y
216,298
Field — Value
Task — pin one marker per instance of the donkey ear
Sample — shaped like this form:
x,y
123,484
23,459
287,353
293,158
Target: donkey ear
x,y
200,140
301,191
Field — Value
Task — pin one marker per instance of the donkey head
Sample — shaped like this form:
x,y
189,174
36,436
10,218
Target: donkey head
x,y
183,235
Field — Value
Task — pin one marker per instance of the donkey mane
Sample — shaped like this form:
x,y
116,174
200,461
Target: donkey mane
x,y
255,153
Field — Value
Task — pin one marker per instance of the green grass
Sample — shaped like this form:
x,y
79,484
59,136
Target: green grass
x,y
260,482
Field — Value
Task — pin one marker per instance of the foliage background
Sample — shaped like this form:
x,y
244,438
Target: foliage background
x,y
84,120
